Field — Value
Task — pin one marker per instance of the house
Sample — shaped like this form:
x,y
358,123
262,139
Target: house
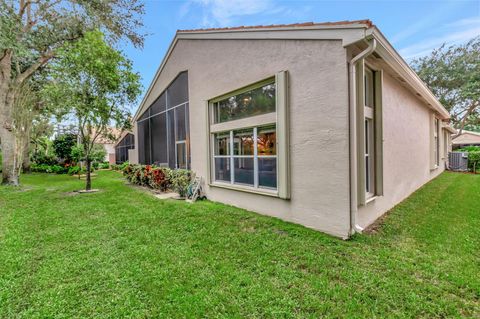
x,y
107,141
124,144
320,124
467,138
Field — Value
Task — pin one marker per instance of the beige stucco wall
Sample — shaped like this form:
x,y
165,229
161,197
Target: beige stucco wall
x,y
318,119
406,149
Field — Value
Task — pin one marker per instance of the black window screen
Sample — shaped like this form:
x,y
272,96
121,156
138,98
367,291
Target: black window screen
x,y
159,105
121,150
159,139
180,123
177,92
165,123
144,142
171,138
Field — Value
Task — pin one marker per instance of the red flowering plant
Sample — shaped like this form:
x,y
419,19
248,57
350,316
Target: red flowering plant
x,y
147,175
159,179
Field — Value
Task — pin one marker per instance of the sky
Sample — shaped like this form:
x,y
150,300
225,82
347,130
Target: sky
x,y
413,27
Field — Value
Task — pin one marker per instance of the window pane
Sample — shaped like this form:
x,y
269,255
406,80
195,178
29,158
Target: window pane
x,y
254,102
267,172
181,155
222,144
177,92
159,139
222,169
266,140
243,142
369,85
367,174
367,136
243,170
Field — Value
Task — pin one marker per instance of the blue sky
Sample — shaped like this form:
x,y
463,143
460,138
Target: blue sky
x,y
413,27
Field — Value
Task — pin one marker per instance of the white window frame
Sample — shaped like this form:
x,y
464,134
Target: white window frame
x,y
279,118
369,145
436,136
373,115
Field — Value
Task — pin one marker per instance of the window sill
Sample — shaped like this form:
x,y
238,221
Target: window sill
x,y
247,189
371,199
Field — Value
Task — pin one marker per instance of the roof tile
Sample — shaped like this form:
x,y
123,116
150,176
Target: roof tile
x,y
293,25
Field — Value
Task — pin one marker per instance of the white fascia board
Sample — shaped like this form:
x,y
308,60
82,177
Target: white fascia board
x,y
394,60
449,128
348,34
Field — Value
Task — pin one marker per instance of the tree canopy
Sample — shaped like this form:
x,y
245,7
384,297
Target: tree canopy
x,y
95,84
453,75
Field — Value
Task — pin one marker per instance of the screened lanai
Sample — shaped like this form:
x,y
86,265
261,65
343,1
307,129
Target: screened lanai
x,y
163,129
122,147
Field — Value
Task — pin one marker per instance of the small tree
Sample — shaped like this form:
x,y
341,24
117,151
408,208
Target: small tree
x,y
62,146
94,82
32,32
453,75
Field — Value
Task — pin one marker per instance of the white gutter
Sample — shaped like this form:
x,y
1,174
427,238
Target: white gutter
x,y
354,227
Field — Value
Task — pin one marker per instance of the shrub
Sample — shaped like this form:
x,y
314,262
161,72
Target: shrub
x,y
474,160
62,146
44,159
73,170
162,178
104,165
44,168
180,179
159,179
469,149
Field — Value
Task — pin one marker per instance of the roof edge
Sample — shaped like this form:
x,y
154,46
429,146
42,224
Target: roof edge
x,y
365,23
395,60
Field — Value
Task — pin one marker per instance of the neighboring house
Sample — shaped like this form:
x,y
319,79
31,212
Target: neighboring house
x,y
467,138
320,124
107,140
124,144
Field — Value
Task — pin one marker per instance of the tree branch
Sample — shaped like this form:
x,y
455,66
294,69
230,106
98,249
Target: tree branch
x,y
34,67
470,110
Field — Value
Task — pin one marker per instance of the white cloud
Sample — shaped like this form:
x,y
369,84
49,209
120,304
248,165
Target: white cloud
x,y
456,32
222,12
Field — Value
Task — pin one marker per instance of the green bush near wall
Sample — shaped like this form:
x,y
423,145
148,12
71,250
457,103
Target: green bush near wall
x,y
474,160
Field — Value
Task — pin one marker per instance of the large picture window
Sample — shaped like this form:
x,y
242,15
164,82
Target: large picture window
x,y
248,150
163,129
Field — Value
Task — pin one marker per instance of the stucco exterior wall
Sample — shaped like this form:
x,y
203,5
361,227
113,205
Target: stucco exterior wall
x,y
406,149
318,120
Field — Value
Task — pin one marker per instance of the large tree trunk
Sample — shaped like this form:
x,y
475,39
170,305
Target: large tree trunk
x,y
9,172
7,136
88,185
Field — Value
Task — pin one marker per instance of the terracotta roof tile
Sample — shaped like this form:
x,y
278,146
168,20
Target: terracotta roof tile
x,y
294,25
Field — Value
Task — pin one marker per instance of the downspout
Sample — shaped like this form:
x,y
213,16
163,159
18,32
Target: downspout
x,y
354,227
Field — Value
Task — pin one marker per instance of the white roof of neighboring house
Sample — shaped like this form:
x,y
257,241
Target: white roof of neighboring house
x,y
350,32
467,137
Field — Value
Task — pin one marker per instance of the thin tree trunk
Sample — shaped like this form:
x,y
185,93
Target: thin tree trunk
x,y
26,155
88,185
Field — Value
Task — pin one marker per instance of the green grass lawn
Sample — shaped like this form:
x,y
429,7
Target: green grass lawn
x,y
122,253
